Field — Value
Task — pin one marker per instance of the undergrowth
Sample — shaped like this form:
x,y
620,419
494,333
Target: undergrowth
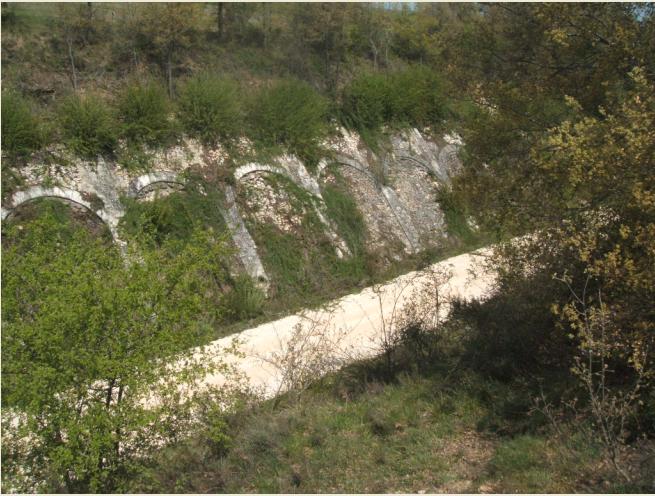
x,y
359,430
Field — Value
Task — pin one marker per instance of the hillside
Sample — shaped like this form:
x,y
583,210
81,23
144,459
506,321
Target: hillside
x,y
177,176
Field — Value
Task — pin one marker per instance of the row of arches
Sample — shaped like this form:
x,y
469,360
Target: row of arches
x,y
143,182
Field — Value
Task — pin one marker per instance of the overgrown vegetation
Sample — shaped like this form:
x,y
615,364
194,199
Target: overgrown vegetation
x,y
437,423
22,133
197,53
551,378
411,97
175,215
78,392
210,109
303,263
143,111
290,113
88,126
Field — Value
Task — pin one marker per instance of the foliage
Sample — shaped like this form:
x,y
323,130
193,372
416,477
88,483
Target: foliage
x,y
342,209
244,301
143,111
289,113
209,109
163,32
363,102
176,215
414,96
88,126
457,217
76,370
22,132
303,263
392,428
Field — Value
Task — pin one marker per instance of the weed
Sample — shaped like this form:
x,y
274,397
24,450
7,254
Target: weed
x,y
244,301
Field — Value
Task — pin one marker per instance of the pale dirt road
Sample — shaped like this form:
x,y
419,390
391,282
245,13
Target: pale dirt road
x,y
347,329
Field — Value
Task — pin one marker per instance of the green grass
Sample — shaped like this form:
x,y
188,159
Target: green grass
x,y
353,434
527,464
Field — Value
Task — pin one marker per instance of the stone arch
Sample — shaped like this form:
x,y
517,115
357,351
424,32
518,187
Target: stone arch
x,y
36,192
340,245
137,185
389,196
429,168
349,162
245,170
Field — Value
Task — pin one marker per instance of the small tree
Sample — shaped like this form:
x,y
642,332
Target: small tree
x,y
87,341
164,31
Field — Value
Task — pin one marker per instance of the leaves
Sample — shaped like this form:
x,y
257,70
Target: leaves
x,y
86,337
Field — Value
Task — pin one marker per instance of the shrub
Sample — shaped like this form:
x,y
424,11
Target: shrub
x,y
143,110
363,102
21,132
174,216
415,98
292,114
87,125
410,97
209,109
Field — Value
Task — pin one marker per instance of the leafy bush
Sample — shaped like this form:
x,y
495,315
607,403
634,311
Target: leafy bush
x,y
209,109
363,102
143,110
88,126
78,336
21,131
410,97
416,98
292,114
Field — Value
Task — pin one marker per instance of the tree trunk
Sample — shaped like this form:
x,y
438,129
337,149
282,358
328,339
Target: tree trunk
x,y
374,49
169,74
266,19
69,41
220,19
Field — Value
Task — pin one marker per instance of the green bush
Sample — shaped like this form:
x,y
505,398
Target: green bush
x,y
21,131
363,102
143,110
209,109
413,97
88,126
292,114
416,98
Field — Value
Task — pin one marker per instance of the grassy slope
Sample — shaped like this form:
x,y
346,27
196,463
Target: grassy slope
x,y
351,434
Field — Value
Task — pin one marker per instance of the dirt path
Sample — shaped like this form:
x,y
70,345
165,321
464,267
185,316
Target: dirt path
x,y
350,328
